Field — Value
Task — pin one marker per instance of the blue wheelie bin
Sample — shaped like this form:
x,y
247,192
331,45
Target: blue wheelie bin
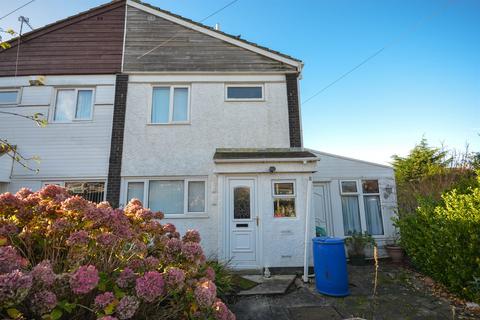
x,y
330,264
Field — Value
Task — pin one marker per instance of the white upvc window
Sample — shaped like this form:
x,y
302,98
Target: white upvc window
x,y
284,194
9,96
175,197
170,105
244,92
73,104
361,207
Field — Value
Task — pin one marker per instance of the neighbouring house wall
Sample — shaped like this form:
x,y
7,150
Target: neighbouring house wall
x,y
5,167
88,43
66,150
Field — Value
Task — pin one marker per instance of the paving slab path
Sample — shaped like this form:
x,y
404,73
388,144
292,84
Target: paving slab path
x,y
400,295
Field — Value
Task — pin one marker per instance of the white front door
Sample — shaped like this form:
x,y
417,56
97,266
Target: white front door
x,y
321,209
242,217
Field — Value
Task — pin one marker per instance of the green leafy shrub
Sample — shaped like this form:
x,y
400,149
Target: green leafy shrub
x,y
63,257
443,240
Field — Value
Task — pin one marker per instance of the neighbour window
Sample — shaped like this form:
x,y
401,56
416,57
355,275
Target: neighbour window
x,y
350,207
170,104
373,210
244,92
73,104
9,96
91,191
284,199
177,196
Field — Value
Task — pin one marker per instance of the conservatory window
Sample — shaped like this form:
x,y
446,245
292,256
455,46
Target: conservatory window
x,y
373,209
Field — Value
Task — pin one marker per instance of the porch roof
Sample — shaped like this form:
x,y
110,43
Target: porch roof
x,y
263,154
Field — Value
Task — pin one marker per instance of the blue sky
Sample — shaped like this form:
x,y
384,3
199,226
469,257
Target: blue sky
x,y
427,83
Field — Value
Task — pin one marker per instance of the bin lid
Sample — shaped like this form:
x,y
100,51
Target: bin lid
x,y
328,240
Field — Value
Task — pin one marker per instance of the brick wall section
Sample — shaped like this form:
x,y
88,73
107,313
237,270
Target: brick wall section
x,y
116,146
293,111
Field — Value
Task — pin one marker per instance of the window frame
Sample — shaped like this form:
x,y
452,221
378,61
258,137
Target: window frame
x,y
17,102
284,196
350,193
74,120
186,181
228,85
361,203
170,104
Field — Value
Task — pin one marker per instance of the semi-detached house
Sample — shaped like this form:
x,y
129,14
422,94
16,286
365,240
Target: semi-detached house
x,y
199,124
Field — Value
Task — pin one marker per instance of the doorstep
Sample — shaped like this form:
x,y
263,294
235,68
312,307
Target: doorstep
x,y
276,284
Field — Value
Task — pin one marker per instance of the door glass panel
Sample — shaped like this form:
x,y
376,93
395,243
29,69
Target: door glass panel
x,y
241,203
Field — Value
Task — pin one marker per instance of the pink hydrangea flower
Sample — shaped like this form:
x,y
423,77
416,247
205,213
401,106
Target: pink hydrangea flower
x,y
127,307
221,312
104,299
8,229
43,274
151,263
76,203
60,225
84,280
43,302
8,200
174,278
173,246
10,259
191,236
193,252
210,273
14,287
78,238
205,293
150,286
54,192
170,228
23,193
126,278
107,239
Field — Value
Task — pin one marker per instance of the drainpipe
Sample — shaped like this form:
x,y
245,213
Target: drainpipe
x,y
307,228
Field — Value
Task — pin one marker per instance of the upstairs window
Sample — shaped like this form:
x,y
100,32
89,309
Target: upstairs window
x,y
9,96
73,104
244,92
170,105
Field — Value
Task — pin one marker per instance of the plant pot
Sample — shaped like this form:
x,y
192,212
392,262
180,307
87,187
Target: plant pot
x,y
357,260
396,253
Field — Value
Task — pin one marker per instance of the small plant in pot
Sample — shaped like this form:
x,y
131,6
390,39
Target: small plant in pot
x,y
395,252
356,243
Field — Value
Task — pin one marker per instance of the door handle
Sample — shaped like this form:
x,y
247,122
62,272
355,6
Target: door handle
x,y
258,220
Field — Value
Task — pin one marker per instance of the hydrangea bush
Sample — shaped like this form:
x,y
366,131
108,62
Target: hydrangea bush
x,y
63,257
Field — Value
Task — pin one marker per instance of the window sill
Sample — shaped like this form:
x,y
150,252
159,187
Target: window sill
x,y
244,100
187,216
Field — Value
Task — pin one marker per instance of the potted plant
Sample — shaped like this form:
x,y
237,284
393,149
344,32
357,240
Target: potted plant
x,y
395,252
356,243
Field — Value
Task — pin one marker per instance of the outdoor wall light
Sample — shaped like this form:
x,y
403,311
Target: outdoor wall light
x,y
272,169
388,192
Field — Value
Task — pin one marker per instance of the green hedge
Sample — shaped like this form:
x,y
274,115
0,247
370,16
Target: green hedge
x,y
443,241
